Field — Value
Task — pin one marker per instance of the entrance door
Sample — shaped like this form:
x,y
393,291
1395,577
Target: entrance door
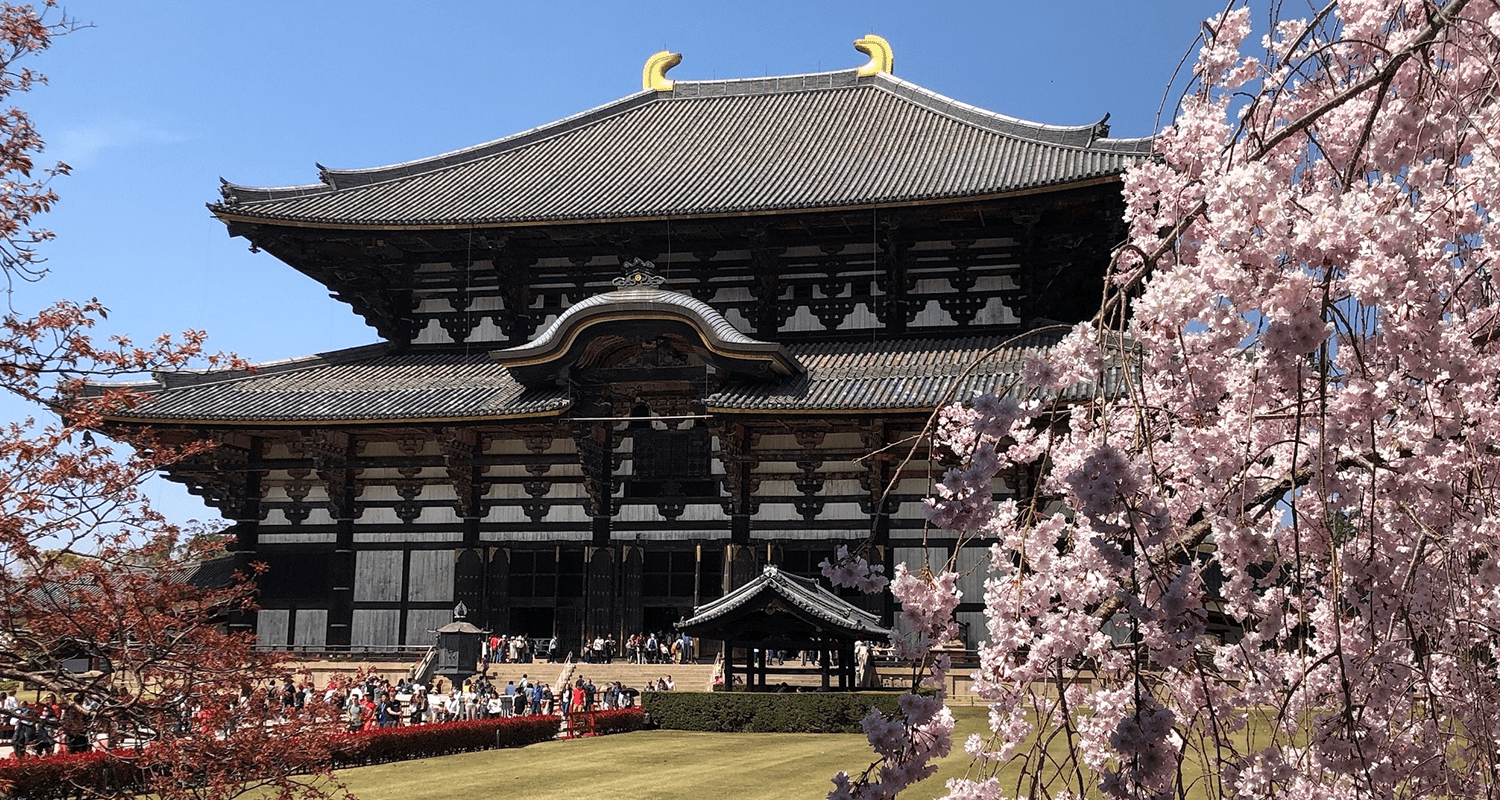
x,y
532,622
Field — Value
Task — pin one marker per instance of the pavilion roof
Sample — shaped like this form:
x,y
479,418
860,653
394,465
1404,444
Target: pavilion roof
x,y
371,384
803,597
817,141
633,301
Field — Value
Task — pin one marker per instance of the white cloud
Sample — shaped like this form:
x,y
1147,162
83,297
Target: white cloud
x,y
79,146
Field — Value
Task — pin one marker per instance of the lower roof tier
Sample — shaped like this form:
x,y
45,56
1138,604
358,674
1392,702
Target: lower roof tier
x,y
370,384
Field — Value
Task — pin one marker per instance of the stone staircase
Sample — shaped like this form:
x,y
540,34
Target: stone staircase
x,y
690,677
322,668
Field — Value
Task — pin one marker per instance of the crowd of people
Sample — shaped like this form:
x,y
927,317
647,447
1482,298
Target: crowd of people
x,y
380,704
639,648
516,649
45,726
642,648
41,727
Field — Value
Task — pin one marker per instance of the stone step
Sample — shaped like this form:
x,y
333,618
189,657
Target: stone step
x,y
695,677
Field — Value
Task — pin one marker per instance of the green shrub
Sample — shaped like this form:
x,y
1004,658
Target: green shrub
x,y
749,712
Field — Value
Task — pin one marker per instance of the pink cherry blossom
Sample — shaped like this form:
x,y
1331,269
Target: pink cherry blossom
x,y
1274,522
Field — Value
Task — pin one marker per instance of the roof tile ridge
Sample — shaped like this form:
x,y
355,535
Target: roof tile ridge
x,y
930,341
235,193
337,180
177,379
970,114
766,85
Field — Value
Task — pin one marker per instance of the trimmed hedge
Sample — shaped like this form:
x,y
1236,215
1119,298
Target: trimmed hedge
x,y
70,775
621,720
63,776
379,745
753,712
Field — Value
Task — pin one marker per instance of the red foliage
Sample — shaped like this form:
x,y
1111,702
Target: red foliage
x,y
97,773
126,772
87,569
425,741
622,720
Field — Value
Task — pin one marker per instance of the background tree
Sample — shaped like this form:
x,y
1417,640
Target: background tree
x,y
87,569
1295,433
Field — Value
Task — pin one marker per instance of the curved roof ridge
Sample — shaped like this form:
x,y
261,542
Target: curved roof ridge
x,y
719,324
859,141
1006,125
629,301
807,594
172,379
333,180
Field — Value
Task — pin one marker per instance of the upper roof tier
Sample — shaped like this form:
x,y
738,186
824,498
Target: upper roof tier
x,y
802,142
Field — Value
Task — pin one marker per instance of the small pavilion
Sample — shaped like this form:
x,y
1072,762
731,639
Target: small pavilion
x,y
779,611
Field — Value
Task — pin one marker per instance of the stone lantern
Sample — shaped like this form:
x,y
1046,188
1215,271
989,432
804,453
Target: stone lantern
x,y
458,645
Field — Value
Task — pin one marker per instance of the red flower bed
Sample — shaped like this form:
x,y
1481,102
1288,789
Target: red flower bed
x,y
70,775
424,741
623,720
63,776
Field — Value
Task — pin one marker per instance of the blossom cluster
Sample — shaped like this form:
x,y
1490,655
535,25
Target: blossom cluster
x,y
921,729
1279,495
853,571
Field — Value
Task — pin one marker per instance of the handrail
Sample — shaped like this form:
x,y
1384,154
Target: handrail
x,y
567,670
422,672
717,674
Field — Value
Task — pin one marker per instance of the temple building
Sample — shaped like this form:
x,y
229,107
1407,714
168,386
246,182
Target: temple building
x,y
629,359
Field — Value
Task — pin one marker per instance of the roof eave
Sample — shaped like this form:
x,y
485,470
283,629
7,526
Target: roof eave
x,y
228,214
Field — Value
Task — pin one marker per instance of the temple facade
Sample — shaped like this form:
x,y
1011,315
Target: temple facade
x,y
627,360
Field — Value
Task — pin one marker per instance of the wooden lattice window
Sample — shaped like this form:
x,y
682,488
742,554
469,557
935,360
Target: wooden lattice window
x,y
672,455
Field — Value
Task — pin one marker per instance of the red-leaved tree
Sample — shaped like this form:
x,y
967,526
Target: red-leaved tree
x,y
1260,561
102,610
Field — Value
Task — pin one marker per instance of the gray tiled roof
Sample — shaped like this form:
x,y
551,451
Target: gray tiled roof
x,y
362,384
631,302
890,375
828,140
804,594
366,384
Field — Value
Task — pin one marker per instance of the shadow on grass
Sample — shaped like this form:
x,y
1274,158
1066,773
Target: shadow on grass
x,y
664,765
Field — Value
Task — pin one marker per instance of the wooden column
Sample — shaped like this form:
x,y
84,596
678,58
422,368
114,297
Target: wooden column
x,y
825,662
631,611
332,453
596,459
242,504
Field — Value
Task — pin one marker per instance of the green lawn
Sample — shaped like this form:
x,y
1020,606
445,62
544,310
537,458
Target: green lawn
x,y
649,765
669,765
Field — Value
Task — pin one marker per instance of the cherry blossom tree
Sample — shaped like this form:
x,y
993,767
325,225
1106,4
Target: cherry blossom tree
x,y
89,573
1260,561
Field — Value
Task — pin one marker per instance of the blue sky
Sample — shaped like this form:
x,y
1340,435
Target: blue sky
x,y
157,100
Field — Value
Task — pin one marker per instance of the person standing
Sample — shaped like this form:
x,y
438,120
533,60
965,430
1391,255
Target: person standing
x,y
24,734
45,738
